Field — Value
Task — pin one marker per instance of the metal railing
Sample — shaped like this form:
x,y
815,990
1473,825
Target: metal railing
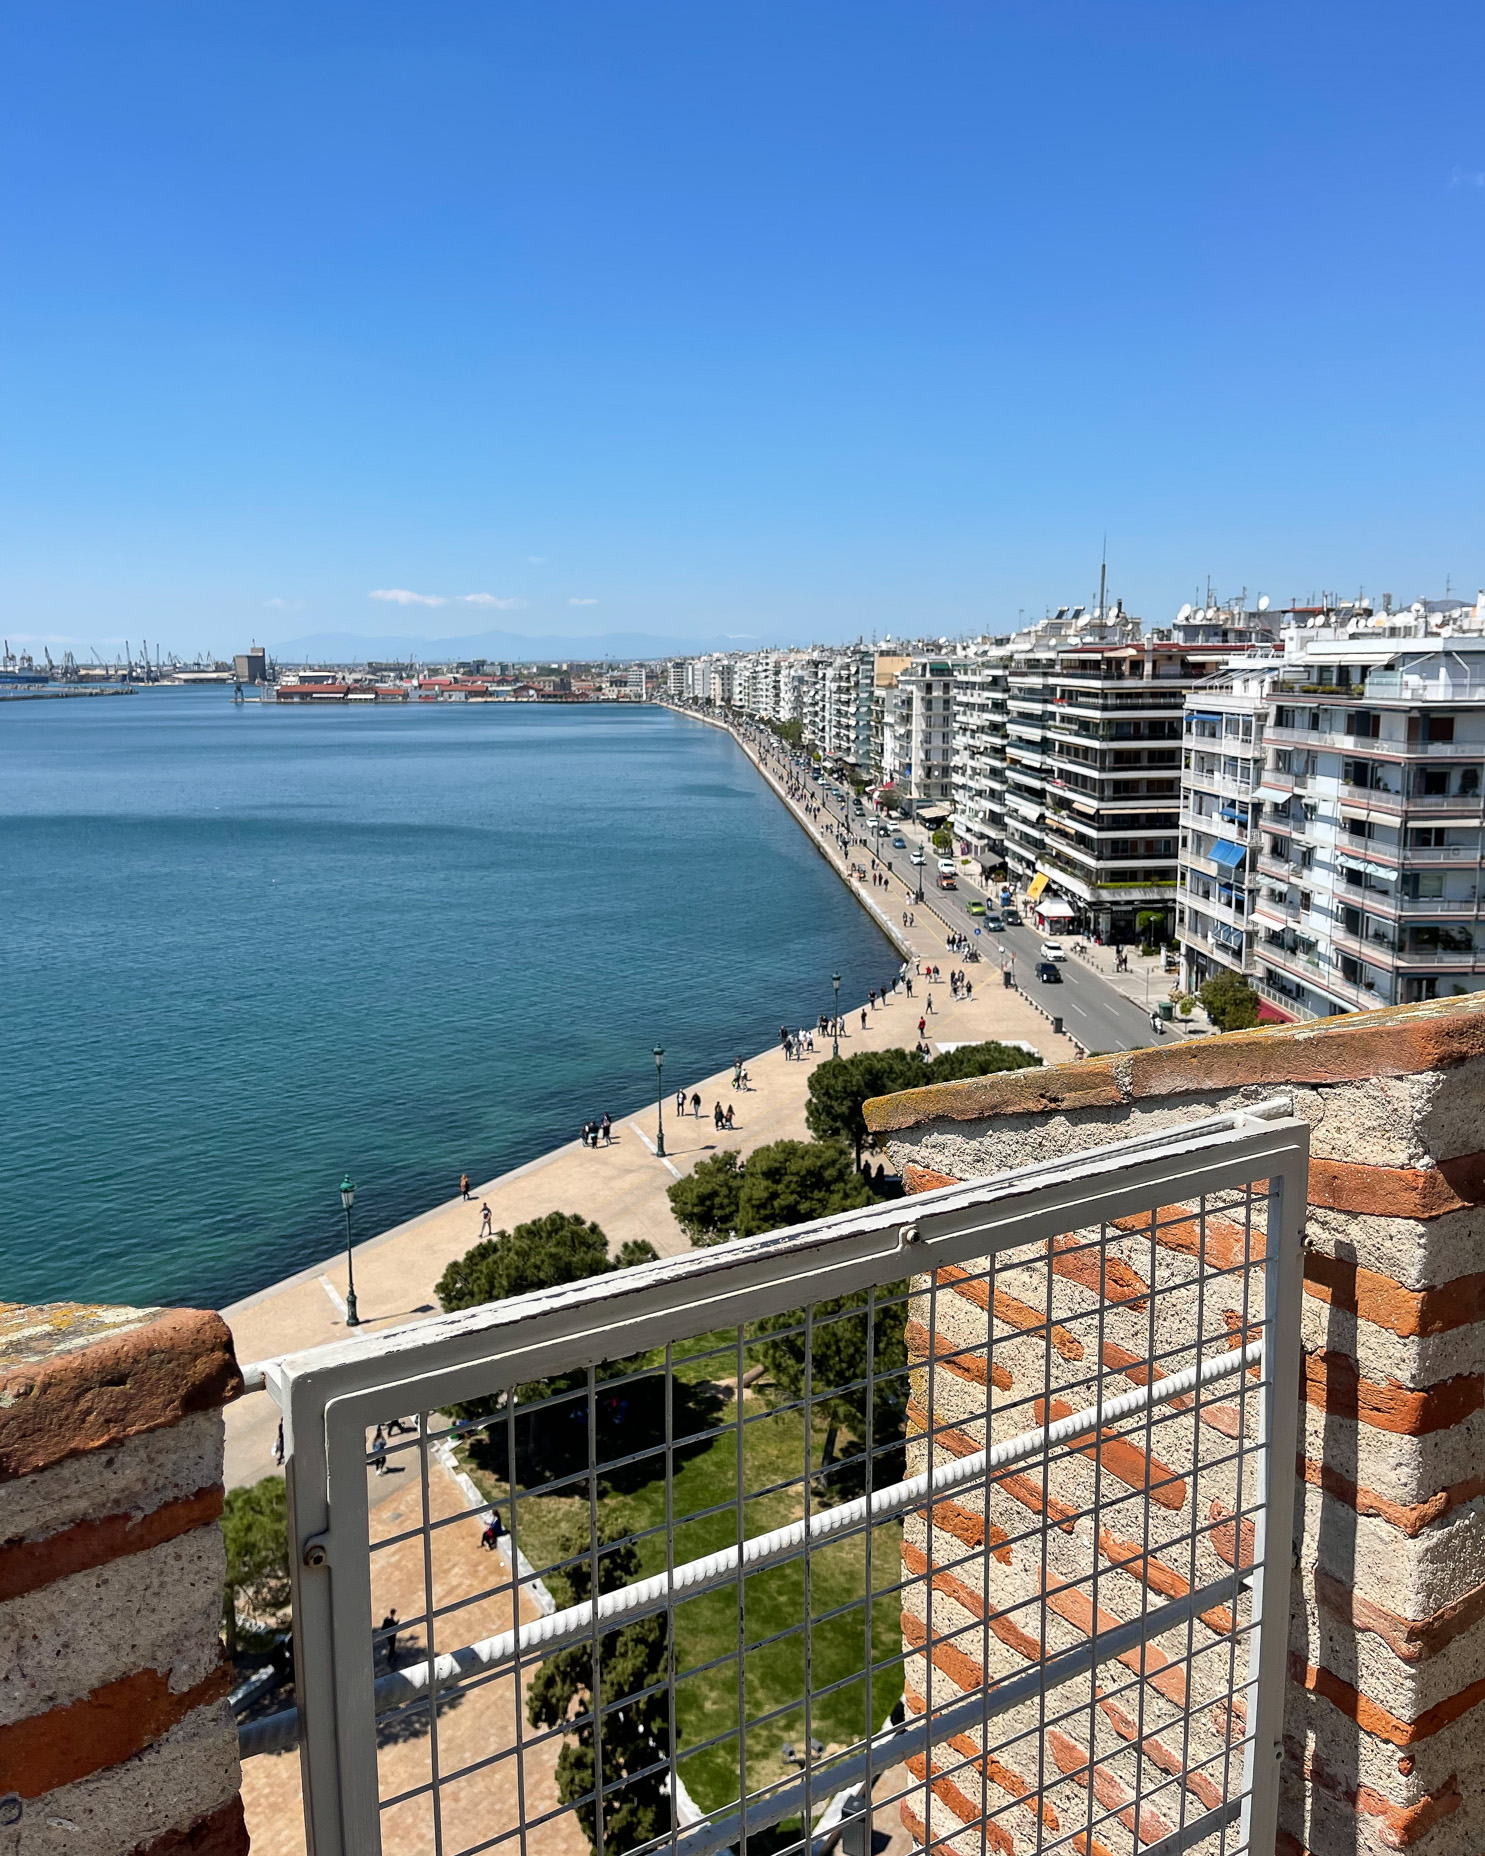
x,y
961,1508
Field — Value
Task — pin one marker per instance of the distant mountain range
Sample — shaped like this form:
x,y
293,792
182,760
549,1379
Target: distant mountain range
x,y
510,647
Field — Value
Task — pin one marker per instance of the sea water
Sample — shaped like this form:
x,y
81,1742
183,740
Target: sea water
x,y
251,948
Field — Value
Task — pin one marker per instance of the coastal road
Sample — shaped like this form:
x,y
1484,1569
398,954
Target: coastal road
x,y
1093,1012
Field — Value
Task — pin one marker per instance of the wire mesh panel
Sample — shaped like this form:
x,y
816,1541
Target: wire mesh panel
x,y
944,1522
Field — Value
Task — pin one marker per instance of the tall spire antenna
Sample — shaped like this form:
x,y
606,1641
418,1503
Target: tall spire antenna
x,y
1103,574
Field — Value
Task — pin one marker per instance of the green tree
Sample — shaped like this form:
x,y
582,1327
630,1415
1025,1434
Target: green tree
x,y
255,1532
542,1253
838,1088
705,1200
839,1353
943,839
1231,1003
978,1060
788,1182
783,1183
630,1661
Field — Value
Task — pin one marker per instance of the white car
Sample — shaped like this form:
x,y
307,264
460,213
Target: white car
x,y
947,866
918,858
1053,950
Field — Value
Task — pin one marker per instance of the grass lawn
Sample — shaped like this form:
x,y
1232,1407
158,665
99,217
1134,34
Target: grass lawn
x,y
771,1641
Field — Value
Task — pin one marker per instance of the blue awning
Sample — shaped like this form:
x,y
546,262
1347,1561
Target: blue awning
x,y
1204,715
1224,853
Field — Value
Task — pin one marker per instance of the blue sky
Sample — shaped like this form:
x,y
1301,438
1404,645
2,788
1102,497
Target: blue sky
x,y
778,321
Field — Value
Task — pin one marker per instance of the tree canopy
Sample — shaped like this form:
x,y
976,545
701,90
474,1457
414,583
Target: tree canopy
x,y
839,1087
630,1661
1230,1002
540,1254
784,1183
255,1532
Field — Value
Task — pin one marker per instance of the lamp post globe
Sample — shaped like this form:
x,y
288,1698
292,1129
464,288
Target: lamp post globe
x,y
835,1022
347,1200
659,1103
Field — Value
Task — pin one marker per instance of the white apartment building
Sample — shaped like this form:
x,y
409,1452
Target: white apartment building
x,y
917,723
978,769
1332,812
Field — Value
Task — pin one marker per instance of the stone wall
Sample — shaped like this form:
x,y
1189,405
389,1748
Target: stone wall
x,y
116,1738
1385,1716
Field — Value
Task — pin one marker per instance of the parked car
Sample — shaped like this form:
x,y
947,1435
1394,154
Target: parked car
x,y
976,907
1048,973
995,924
948,866
1012,917
1053,950
899,843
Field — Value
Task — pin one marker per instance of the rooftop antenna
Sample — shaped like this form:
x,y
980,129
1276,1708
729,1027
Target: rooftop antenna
x,y
1103,574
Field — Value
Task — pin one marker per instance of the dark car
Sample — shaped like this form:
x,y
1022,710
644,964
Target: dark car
x,y
1012,917
1048,973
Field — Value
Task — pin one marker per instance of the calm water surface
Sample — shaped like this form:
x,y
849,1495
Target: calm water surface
x,y
249,948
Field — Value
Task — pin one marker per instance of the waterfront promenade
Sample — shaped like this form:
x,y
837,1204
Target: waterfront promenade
x,y
622,1187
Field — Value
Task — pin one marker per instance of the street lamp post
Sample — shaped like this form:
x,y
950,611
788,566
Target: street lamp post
x,y
348,1199
835,1022
659,1103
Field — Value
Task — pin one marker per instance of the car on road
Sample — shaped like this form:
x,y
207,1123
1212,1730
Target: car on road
x,y
947,865
946,880
1012,917
1048,973
880,829
975,908
899,843
1053,950
917,858
995,924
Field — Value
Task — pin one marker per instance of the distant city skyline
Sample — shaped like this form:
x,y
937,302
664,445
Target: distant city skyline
x,y
806,324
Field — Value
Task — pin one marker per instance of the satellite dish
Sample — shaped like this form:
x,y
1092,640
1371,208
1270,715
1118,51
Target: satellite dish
x,y
1201,612
1263,602
1185,612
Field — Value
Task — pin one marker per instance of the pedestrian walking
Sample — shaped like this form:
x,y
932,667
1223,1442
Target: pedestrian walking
x,y
717,1116
727,1118
863,1018
696,1105
607,1125
487,1228
922,1026
464,1187
379,1452
389,1636
680,1102
930,1003
278,1445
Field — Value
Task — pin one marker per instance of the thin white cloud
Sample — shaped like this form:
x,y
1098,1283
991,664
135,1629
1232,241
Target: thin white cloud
x,y
279,604
537,560
491,599
739,634
400,596
582,602
1467,177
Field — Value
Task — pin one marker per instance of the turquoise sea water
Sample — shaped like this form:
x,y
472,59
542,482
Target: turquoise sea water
x,y
246,949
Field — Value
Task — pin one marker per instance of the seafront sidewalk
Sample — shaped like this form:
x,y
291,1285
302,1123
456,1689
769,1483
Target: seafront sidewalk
x,y
622,1187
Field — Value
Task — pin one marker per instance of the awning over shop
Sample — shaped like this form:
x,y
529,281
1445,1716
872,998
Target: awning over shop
x,y
933,815
1054,909
1035,887
1222,852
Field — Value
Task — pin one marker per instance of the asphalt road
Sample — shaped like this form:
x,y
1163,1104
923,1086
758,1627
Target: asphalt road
x,y
1093,1012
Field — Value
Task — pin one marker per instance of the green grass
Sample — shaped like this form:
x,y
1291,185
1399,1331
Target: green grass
x,y
774,1642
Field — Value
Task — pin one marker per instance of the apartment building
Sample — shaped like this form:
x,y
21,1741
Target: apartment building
x,y
917,734
978,768
1374,799
1221,782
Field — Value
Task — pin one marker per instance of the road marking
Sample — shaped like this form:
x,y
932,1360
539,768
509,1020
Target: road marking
x,y
651,1145
334,1294
1076,1008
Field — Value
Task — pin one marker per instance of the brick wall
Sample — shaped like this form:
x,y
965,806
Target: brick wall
x,y
1385,1717
115,1734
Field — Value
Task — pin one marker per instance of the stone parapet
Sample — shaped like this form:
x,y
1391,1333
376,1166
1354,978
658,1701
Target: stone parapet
x,y
1385,1717
115,1733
